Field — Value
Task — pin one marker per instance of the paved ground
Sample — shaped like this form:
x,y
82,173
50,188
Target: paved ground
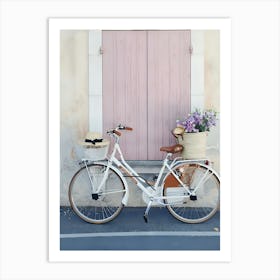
x,y
129,232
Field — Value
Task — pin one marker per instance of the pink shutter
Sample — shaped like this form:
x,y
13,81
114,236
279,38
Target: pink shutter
x,y
146,85
125,88
168,86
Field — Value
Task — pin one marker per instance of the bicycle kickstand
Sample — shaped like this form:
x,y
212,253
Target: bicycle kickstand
x,y
147,211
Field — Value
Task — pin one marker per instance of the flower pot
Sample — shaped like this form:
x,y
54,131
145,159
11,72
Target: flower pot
x,y
194,145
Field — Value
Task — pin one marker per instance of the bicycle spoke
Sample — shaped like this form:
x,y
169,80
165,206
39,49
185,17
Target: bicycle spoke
x,y
204,185
103,207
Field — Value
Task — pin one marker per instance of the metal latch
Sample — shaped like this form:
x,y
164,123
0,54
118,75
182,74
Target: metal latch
x,y
190,49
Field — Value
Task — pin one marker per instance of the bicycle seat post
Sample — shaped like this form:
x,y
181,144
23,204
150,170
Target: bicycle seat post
x,y
168,157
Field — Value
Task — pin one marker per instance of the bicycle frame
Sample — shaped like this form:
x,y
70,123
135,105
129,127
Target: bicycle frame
x,y
154,192
99,189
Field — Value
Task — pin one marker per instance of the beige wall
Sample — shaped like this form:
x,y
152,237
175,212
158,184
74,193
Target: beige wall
x,y
212,69
73,102
212,89
205,82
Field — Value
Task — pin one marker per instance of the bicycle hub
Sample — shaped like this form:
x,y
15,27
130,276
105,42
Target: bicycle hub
x,y
94,196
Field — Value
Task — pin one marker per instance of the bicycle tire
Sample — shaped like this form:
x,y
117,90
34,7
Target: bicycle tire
x,y
98,208
200,207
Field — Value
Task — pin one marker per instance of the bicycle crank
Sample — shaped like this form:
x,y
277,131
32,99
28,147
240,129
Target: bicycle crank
x,y
147,211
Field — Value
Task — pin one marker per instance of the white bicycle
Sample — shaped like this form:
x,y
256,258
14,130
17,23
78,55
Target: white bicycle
x,y
190,189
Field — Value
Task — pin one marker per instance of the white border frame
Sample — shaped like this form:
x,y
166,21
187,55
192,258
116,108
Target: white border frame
x,y
55,26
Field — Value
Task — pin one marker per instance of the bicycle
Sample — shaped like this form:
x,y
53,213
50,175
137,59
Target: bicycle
x,y
190,189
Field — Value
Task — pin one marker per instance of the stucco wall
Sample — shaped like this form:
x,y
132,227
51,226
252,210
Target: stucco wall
x,y
205,82
212,69
73,102
212,89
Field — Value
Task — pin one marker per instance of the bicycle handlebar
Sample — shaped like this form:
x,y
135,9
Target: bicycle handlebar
x,y
117,132
119,127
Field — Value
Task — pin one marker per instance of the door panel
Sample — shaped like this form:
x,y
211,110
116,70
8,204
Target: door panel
x,y
168,86
125,88
146,85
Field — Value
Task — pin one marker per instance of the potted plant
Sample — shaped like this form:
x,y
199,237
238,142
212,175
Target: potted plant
x,y
192,132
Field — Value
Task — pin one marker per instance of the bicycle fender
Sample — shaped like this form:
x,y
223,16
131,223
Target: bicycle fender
x,y
201,164
126,196
181,162
211,169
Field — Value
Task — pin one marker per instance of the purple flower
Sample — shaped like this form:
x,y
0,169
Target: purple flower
x,y
199,121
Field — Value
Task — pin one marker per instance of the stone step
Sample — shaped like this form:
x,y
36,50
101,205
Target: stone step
x,y
146,167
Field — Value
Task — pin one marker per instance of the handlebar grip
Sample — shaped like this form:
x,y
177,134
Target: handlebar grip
x,y
128,128
117,132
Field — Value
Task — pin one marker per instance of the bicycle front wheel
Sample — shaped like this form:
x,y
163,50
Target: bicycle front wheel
x,y
92,207
204,185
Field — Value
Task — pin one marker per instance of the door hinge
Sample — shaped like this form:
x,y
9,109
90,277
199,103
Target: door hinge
x,y
101,50
190,49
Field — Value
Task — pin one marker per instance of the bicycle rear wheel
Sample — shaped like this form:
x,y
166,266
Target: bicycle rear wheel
x,y
96,208
204,202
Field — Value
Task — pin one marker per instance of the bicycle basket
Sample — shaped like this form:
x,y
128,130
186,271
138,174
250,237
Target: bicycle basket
x,y
95,148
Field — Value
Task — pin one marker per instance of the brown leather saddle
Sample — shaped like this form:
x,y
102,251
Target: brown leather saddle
x,y
172,149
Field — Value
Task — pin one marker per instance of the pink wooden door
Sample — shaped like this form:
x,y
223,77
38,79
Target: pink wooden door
x,y
125,88
168,86
146,85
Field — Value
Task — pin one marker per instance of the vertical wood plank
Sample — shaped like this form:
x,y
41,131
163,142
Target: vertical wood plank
x,y
125,88
168,86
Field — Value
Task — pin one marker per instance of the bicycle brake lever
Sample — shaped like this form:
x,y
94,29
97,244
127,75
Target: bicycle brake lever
x,y
121,127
